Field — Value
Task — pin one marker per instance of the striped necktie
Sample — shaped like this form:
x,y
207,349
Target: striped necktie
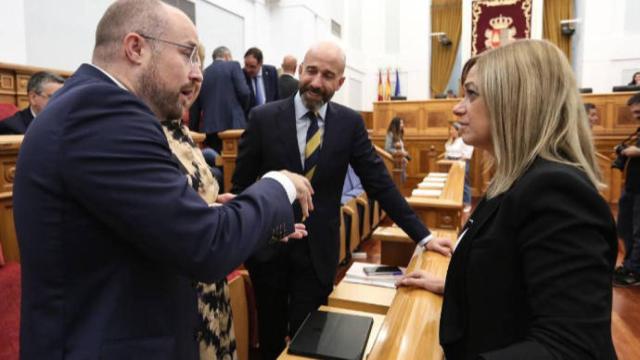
x,y
314,143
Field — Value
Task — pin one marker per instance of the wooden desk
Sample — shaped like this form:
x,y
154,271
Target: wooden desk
x,y
360,297
375,329
445,211
411,327
9,146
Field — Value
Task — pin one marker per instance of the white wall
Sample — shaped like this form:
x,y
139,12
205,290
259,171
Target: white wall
x,y
12,37
608,43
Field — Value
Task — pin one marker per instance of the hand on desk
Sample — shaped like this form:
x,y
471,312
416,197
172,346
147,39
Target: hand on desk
x,y
440,245
424,280
299,232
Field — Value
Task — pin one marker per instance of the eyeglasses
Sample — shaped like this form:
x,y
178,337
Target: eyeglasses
x,y
194,59
45,96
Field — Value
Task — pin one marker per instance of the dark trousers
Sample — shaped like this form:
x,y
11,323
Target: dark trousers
x,y
629,229
287,290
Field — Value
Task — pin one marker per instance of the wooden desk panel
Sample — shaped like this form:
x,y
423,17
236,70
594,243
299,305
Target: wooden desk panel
x,y
360,297
14,79
411,327
375,329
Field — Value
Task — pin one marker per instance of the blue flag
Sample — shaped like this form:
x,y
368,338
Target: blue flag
x,y
397,90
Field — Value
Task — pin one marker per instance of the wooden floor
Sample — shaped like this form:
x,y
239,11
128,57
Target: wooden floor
x,y
625,318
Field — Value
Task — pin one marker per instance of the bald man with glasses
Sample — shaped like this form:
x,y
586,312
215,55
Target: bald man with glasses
x,y
112,235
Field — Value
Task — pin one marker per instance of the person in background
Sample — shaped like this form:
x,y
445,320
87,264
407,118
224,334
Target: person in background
x,y
262,79
309,134
451,94
215,333
628,274
530,277
592,114
41,86
635,79
394,142
456,149
223,100
287,83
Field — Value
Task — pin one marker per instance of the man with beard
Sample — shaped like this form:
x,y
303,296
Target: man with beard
x,y
310,135
112,236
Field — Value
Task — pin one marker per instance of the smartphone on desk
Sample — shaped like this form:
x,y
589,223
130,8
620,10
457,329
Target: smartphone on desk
x,y
382,270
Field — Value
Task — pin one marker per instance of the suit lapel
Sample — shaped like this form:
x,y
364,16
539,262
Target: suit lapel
x,y
289,135
453,317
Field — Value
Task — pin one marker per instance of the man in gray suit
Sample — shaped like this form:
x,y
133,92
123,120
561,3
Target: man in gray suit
x,y
223,99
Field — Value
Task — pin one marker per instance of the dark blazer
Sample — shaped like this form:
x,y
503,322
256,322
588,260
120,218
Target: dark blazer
x,y
16,124
287,86
112,235
270,79
270,142
531,278
223,99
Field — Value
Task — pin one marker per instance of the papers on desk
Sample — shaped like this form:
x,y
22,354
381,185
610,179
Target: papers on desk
x,y
435,179
431,185
434,193
356,275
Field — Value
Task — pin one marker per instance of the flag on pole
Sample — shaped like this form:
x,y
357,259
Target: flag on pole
x,y
397,90
387,92
380,89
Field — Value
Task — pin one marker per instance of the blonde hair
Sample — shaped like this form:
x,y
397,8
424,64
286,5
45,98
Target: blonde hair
x,y
535,110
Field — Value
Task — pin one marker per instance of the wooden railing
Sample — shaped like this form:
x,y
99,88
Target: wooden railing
x,y
412,324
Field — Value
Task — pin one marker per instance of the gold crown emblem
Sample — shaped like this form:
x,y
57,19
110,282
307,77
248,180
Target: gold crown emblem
x,y
501,22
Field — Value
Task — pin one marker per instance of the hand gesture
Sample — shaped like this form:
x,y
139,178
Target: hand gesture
x,y
224,198
424,280
304,191
299,232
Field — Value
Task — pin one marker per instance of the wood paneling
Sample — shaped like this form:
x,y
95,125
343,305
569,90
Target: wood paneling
x,y
426,131
9,146
14,79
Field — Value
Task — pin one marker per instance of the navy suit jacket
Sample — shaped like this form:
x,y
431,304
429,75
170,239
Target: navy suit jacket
x,y
17,123
223,99
270,80
270,142
112,235
531,277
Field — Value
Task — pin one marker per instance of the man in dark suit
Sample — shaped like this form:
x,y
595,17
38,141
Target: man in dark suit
x,y
308,134
287,83
223,100
111,234
40,88
262,79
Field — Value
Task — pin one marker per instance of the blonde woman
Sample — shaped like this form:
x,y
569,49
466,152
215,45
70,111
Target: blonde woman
x,y
530,277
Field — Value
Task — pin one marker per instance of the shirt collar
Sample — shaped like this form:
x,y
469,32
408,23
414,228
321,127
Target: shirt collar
x,y
110,77
302,110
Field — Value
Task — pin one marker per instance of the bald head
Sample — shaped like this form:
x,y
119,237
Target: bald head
x,y
289,64
148,17
329,52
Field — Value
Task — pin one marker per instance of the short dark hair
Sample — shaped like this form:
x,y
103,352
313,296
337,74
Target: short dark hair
x,y
589,106
40,78
635,99
256,53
